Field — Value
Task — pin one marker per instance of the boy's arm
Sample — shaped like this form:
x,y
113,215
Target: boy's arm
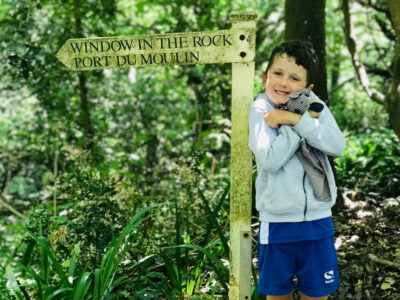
x,y
277,117
272,147
322,133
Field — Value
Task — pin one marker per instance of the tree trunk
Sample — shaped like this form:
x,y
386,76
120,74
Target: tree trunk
x,y
85,113
305,20
393,96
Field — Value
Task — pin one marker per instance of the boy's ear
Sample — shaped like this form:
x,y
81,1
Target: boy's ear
x,y
311,86
264,78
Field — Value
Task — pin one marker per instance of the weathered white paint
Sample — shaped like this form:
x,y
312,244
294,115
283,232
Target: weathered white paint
x,y
241,170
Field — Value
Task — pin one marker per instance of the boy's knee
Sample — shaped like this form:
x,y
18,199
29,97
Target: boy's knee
x,y
283,297
305,297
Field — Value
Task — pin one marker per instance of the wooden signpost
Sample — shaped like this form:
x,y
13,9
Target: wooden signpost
x,y
235,46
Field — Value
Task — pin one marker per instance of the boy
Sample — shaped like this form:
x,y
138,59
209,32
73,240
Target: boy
x,y
296,230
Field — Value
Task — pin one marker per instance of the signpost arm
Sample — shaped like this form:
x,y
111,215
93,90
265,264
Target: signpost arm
x,y
241,166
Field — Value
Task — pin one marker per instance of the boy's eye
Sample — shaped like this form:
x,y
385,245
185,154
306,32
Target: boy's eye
x,y
295,79
277,73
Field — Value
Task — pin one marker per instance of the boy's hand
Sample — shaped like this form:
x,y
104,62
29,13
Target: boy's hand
x,y
314,114
277,117
272,118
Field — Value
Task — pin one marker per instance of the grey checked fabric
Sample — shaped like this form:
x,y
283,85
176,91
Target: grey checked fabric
x,y
314,164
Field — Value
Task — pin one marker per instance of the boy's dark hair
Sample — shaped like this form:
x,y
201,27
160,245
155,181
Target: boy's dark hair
x,y
303,53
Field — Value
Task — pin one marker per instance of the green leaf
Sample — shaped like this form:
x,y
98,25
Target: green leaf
x,y
105,274
170,133
39,280
96,287
221,271
65,263
72,261
171,270
49,254
387,284
214,220
12,283
82,286
57,293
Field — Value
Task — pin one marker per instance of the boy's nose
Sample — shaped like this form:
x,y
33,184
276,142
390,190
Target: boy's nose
x,y
284,81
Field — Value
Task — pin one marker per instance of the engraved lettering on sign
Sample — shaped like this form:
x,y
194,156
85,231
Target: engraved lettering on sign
x,y
156,50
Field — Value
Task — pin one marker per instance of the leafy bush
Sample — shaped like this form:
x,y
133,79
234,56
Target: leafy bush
x,y
55,280
96,204
371,163
183,269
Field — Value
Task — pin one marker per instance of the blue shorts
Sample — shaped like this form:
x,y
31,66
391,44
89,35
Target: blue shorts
x,y
314,263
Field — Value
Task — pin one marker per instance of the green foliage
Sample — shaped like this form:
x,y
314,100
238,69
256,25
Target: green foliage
x,y
371,163
355,112
97,205
353,109
82,230
184,269
55,281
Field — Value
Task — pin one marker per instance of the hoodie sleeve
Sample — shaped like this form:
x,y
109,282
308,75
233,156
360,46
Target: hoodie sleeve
x,y
272,147
322,133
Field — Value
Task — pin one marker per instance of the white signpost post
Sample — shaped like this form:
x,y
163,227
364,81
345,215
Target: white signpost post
x,y
236,46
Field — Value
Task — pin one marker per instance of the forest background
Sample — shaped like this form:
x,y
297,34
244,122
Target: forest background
x,y
115,183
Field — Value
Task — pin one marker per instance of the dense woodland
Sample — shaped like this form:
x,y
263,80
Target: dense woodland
x,y
115,183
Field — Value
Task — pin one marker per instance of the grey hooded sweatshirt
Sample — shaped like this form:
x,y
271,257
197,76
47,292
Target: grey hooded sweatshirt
x,y
283,191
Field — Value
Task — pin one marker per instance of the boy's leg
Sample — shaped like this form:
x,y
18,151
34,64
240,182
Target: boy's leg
x,y
276,267
304,297
283,297
289,297
317,271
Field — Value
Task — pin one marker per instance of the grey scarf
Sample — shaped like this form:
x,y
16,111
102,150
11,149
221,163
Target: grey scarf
x,y
314,164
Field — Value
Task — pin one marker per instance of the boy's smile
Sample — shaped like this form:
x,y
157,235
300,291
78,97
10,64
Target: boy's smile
x,y
284,78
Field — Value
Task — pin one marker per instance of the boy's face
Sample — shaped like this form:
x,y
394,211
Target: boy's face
x,y
284,78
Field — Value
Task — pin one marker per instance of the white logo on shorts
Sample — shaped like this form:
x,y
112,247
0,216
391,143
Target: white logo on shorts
x,y
329,277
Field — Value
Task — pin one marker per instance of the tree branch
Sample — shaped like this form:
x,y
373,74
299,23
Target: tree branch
x,y
386,31
3,201
340,85
55,172
375,7
10,208
373,69
384,262
359,67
